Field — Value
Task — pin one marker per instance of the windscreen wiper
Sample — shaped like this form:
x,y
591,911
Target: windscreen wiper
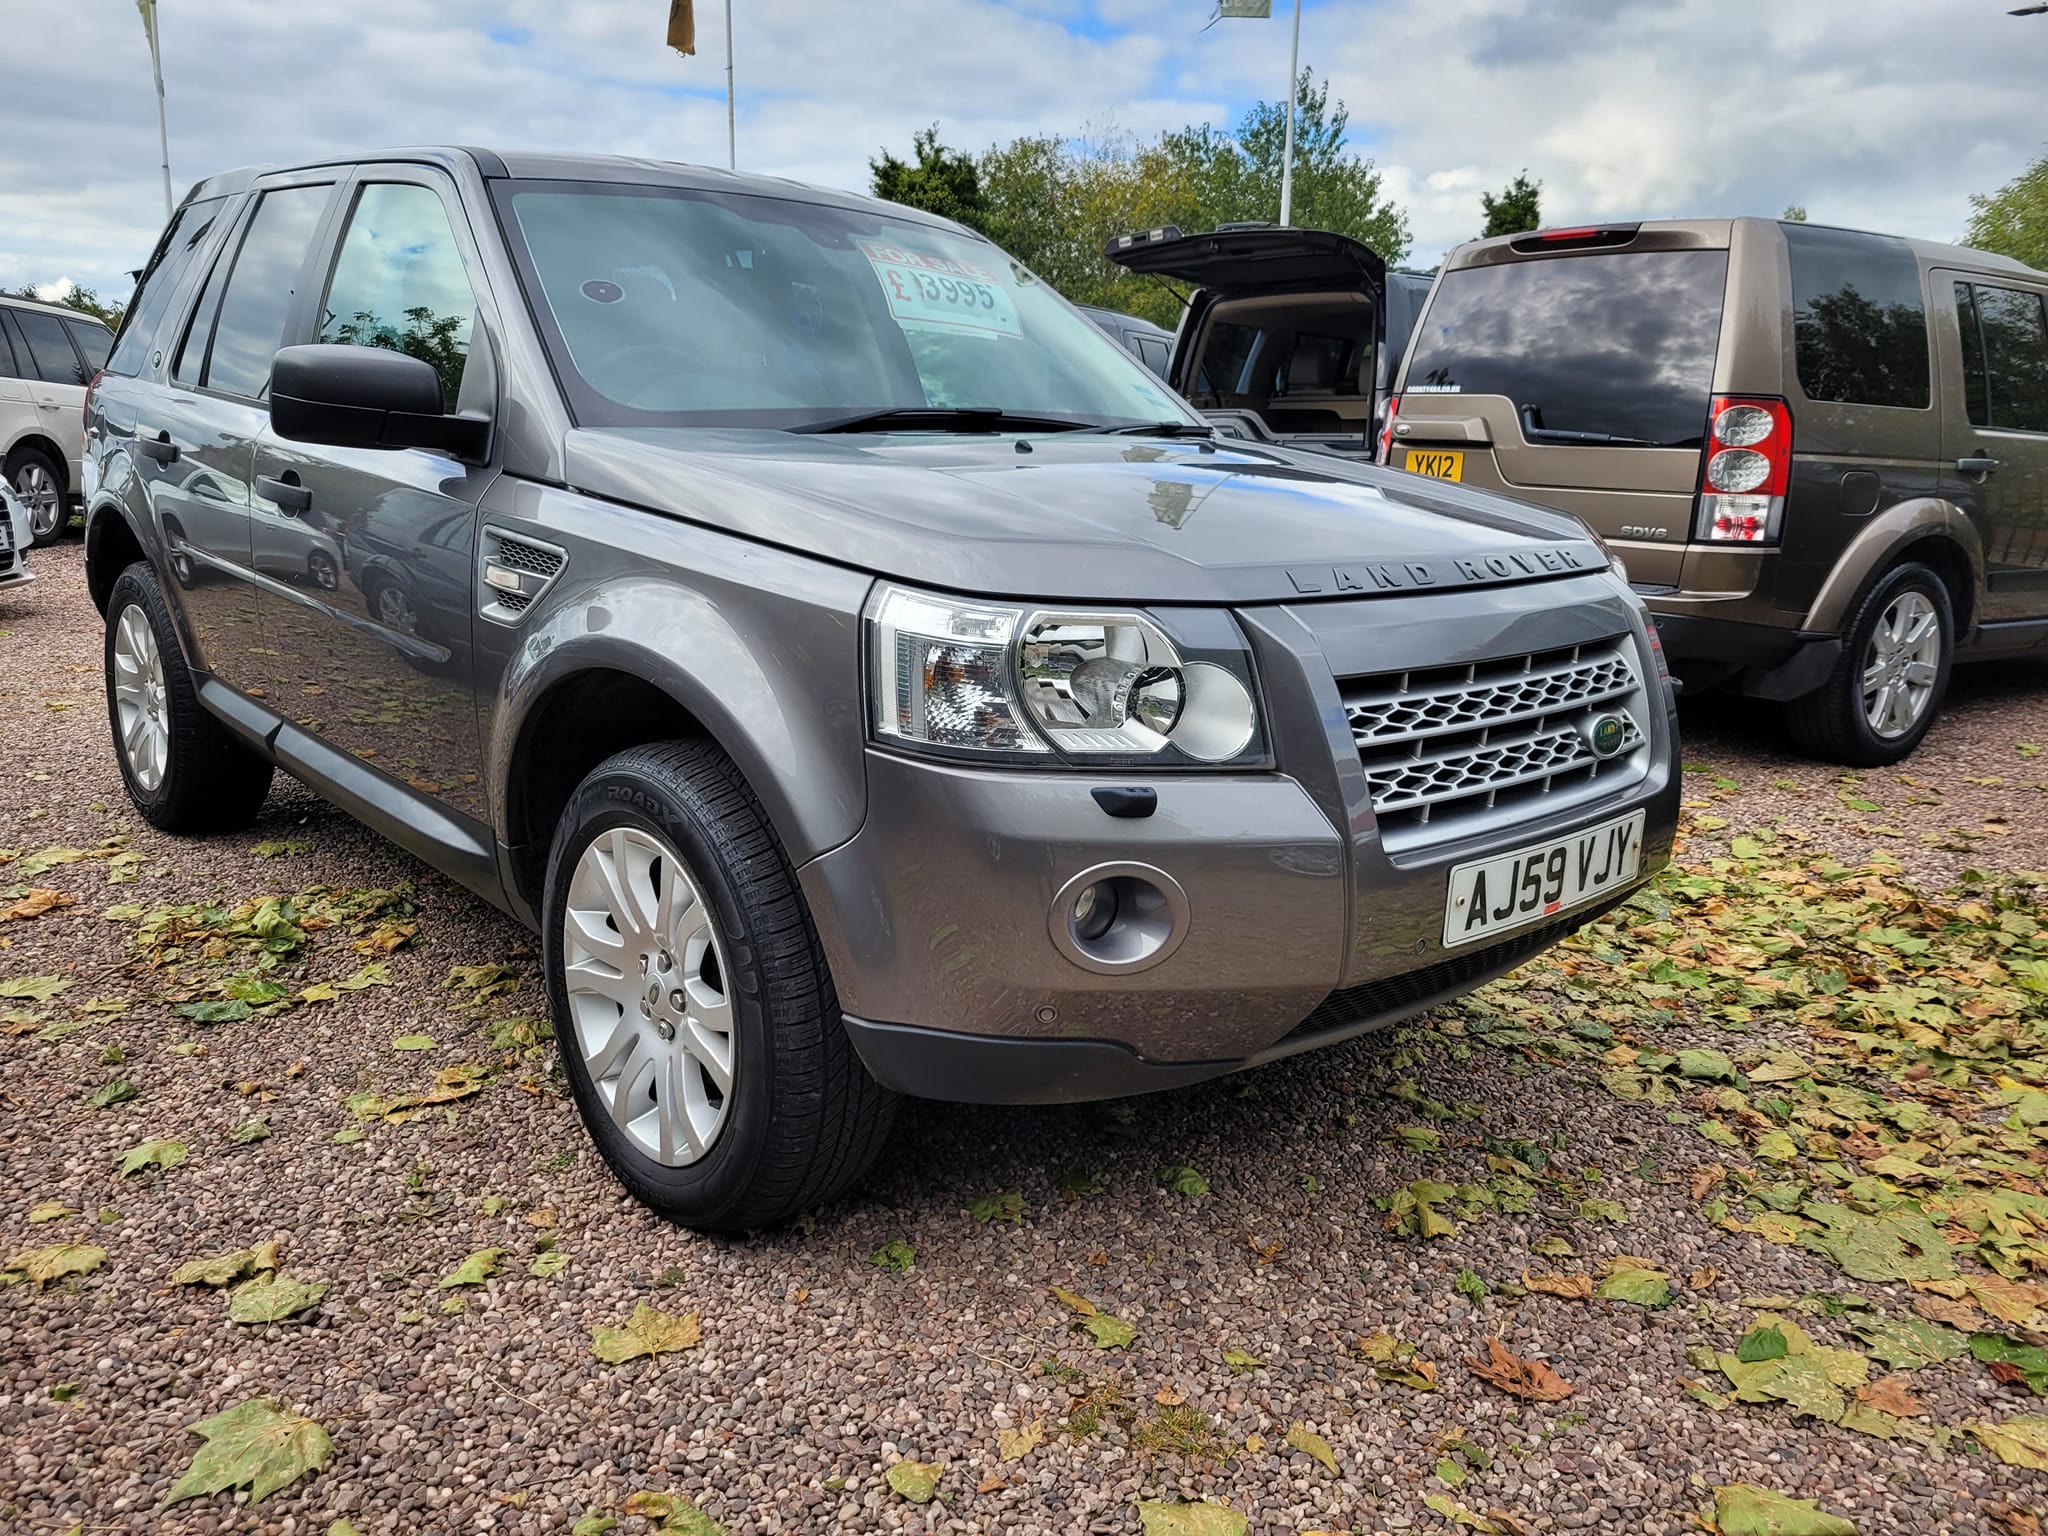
x,y
1537,433
1159,429
936,418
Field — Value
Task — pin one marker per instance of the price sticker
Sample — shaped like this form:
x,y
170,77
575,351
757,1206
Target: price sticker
x,y
937,293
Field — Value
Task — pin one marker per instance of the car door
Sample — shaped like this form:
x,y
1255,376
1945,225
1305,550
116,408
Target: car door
x,y
368,555
198,435
54,377
1995,432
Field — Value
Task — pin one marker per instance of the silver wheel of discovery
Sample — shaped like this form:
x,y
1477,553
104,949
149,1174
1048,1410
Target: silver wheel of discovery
x,y
140,706
1901,664
647,991
37,488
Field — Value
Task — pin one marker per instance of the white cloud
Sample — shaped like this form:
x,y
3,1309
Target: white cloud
x,y
1877,112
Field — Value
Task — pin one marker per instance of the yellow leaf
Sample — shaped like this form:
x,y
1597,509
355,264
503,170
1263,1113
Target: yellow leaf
x,y
1016,1444
648,1331
1307,1441
2016,1442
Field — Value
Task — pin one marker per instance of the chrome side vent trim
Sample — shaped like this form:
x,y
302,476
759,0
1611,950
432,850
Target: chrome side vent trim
x,y
515,571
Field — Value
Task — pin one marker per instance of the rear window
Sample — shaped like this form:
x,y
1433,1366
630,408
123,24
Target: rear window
x,y
1859,326
2005,356
1608,349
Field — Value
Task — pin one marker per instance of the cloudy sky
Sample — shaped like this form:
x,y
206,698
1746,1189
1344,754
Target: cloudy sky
x,y
1879,113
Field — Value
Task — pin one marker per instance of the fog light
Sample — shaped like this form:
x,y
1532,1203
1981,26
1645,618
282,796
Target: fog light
x,y
1118,918
1094,912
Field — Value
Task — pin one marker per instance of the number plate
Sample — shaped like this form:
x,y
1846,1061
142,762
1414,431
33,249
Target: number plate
x,y
1491,896
1436,465
936,293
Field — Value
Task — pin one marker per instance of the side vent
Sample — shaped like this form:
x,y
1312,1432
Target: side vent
x,y
516,571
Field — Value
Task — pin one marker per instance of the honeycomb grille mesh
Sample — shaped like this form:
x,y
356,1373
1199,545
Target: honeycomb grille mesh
x,y
1449,751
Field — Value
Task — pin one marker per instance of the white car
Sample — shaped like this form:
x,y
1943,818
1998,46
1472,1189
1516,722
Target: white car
x,y
48,355
14,540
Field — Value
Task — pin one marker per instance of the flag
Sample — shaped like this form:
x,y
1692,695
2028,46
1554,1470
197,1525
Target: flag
x,y
147,10
682,26
1251,10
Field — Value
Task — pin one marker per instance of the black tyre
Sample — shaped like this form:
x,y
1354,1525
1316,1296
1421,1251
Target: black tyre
x,y
182,768
696,1018
1890,679
38,480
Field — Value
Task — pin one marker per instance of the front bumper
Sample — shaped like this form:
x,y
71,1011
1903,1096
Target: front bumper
x,y
1301,928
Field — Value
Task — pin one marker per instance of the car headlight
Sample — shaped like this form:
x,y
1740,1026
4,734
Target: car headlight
x,y
955,675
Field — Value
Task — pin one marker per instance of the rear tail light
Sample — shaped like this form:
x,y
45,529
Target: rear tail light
x,y
1744,471
1387,429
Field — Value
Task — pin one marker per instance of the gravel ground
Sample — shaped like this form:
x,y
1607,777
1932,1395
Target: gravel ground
x,y
818,1368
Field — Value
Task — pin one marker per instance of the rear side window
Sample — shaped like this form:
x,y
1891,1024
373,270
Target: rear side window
x,y
261,290
1609,349
9,368
1859,326
49,348
174,253
1153,354
1225,351
2005,356
94,342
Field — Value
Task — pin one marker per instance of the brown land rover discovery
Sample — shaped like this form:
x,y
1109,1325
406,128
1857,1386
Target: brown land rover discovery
x,y
1823,454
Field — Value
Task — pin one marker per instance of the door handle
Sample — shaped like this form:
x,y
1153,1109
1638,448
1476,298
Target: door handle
x,y
288,495
1980,465
162,449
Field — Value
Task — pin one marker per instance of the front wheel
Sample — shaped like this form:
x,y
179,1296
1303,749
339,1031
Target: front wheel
x,y
696,1017
1890,679
39,483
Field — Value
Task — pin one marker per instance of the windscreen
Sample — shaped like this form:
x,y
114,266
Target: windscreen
x,y
681,307
1615,348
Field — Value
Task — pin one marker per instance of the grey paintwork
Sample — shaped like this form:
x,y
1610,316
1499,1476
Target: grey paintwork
x,y
729,570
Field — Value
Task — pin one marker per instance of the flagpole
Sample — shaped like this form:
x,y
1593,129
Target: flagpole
x,y
732,157
1287,155
156,65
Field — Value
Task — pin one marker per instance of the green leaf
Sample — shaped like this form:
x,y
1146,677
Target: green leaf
x,y
1743,1509
1762,1343
1109,1332
1238,1360
1776,1147
1007,1206
1649,1288
2016,1442
896,1256
547,1265
649,1331
475,1269
38,989
593,1524
1908,1343
228,1267
273,1298
916,1481
1311,1444
413,1043
59,1260
214,1011
1183,1180
1897,1245
152,1154
1603,1210
1706,1067
250,1131
1190,1520
255,1445
119,1091
2031,1362
1443,1504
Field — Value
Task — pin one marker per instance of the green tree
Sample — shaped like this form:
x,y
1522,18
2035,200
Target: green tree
x,y
84,300
939,180
1519,208
1795,213
2013,221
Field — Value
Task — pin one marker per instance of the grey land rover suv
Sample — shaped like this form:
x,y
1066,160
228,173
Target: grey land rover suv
x,y
866,676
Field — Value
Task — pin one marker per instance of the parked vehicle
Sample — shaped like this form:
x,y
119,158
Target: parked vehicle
x,y
14,540
48,354
1291,335
1822,453
1150,344
866,677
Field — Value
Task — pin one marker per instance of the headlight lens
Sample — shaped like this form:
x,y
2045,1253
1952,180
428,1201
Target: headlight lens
x,y
961,676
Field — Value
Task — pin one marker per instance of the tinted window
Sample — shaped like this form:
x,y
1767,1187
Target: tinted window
x,y
190,363
1321,365
9,368
1976,394
677,307
49,347
153,294
1153,353
2015,332
1226,348
1859,327
399,283
94,340
1617,346
261,290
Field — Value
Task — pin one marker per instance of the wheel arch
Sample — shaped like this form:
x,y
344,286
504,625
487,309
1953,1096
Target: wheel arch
x,y
112,544
1935,533
48,445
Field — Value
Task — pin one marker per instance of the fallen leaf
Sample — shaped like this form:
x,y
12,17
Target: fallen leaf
x,y
42,1265
990,1484
1907,1343
1700,1279
34,902
1493,1523
1016,1444
1190,1520
254,1445
35,989
413,1043
51,1210
647,1332
1572,1287
2015,1522
1888,1394
916,1481
1238,1360
228,1267
1183,1180
1109,1332
1073,1301
475,1269
1705,1177
1530,1379
152,1154
1311,1444
1633,1282
1744,1509
547,1265
273,1298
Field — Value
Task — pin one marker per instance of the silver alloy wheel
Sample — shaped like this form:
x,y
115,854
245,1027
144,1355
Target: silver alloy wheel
x,y
395,609
140,706
1901,664
37,488
648,996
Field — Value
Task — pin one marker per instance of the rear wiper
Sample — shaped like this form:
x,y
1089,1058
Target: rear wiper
x,y
1537,433
933,418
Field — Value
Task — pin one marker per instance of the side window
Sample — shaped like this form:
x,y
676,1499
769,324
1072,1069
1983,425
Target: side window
x,y
9,368
49,348
159,284
2015,329
94,343
1225,350
1859,325
399,283
1976,393
260,291
190,363
1152,352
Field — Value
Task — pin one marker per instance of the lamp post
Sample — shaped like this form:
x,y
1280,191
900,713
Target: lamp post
x,y
1287,154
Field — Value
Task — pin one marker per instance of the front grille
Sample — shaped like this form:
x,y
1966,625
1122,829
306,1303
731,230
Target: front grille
x,y
1450,751
1396,997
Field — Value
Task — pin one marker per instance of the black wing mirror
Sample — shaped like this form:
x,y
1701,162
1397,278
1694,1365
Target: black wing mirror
x,y
367,397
